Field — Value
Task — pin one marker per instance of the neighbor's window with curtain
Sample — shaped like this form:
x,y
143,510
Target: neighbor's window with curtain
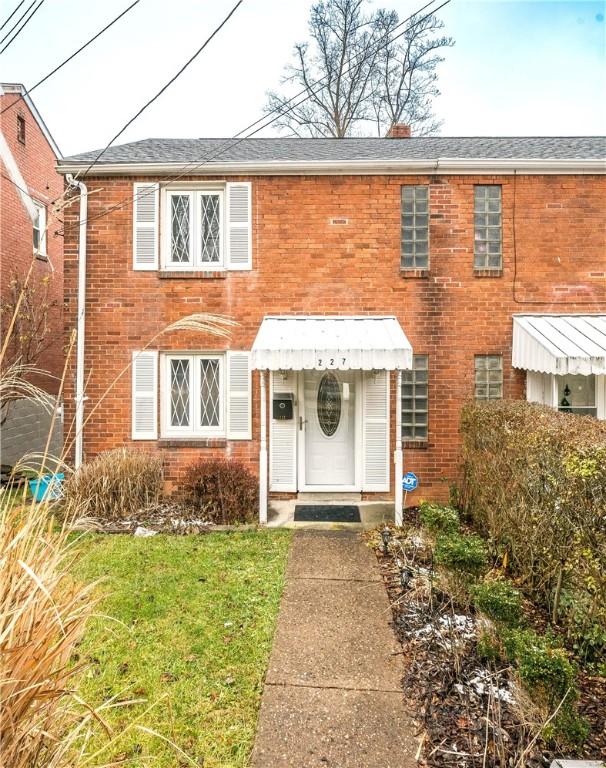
x,y
488,377
415,399
195,229
193,395
488,224
39,229
415,227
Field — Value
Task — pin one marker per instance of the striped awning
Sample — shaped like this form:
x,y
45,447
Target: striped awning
x,y
317,342
560,344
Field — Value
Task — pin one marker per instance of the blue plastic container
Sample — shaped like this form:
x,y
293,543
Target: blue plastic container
x,y
47,487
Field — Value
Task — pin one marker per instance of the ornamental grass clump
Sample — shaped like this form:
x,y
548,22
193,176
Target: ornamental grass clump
x,y
438,518
114,485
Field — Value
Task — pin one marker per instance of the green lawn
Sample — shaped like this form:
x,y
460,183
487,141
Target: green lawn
x,y
198,616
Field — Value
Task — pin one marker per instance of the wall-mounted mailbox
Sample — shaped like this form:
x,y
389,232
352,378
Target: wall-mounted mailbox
x,y
283,405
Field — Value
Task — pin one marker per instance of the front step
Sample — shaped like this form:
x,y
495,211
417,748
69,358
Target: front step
x,y
327,497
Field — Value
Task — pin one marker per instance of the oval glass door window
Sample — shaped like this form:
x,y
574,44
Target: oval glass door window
x,y
329,404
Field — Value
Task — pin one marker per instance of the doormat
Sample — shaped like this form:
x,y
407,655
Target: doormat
x,y
326,513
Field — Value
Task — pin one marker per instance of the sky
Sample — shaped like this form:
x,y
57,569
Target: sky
x,y
517,68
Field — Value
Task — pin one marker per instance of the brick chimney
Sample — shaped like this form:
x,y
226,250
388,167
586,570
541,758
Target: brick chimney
x,y
399,131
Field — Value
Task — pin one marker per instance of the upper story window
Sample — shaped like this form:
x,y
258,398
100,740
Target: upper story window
x,y
488,377
488,248
415,399
206,226
21,129
194,222
39,229
415,227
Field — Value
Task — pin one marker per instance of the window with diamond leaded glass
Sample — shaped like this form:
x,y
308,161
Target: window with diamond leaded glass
x,y
193,395
180,229
415,399
194,238
487,247
210,228
415,227
488,377
180,392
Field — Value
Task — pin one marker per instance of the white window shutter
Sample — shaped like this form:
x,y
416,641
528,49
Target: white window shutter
x,y
145,226
282,439
239,230
376,431
145,395
239,396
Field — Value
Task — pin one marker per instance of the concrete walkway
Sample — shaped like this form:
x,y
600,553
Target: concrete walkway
x,y
332,695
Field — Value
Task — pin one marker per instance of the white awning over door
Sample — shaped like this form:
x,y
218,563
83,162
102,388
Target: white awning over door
x,y
560,344
316,342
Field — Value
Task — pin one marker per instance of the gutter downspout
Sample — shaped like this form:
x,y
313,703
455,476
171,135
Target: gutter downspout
x,y
79,396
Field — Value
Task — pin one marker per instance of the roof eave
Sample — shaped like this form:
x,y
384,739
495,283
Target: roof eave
x,y
352,167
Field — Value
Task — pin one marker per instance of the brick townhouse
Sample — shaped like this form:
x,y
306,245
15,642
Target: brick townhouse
x,y
376,284
29,183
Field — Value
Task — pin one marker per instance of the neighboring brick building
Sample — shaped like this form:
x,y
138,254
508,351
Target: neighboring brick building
x,y
29,183
452,237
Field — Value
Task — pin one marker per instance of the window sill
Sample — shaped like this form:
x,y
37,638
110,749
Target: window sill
x,y
414,273
41,256
488,273
187,275
419,444
196,442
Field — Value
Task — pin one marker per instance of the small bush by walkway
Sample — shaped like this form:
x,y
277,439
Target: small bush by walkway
x,y
194,621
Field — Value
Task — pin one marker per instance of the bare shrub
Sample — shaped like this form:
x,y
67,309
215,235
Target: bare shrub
x,y
115,484
535,482
225,491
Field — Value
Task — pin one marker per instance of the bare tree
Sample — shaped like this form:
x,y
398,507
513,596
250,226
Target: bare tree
x,y
368,79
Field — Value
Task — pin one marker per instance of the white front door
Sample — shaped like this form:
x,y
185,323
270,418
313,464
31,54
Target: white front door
x,y
328,430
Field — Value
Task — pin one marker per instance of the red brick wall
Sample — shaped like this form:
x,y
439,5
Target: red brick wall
x,y
303,263
36,161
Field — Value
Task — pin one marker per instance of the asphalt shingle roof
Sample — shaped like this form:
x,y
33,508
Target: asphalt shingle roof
x,y
281,150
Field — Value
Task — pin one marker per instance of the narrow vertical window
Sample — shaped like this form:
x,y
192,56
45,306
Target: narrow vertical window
x,y
210,228
210,392
180,229
488,377
415,399
488,248
180,392
414,252
21,129
39,229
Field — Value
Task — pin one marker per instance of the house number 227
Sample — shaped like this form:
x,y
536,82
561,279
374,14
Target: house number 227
x,y
331,362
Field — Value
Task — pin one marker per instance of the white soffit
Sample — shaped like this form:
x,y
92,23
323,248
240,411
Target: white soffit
x,y
560,344
315,342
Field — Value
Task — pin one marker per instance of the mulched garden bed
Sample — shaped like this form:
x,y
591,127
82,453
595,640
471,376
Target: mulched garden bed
x,y
171,517
468,713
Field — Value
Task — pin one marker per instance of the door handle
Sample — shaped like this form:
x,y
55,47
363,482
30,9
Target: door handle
x,y
301,422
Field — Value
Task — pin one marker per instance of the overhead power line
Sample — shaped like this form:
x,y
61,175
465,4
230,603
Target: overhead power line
x,y
16,24
188,168
22,27
5,22
70,57
166,85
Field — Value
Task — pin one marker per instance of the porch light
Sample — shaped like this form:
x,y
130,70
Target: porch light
x,y
385,536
